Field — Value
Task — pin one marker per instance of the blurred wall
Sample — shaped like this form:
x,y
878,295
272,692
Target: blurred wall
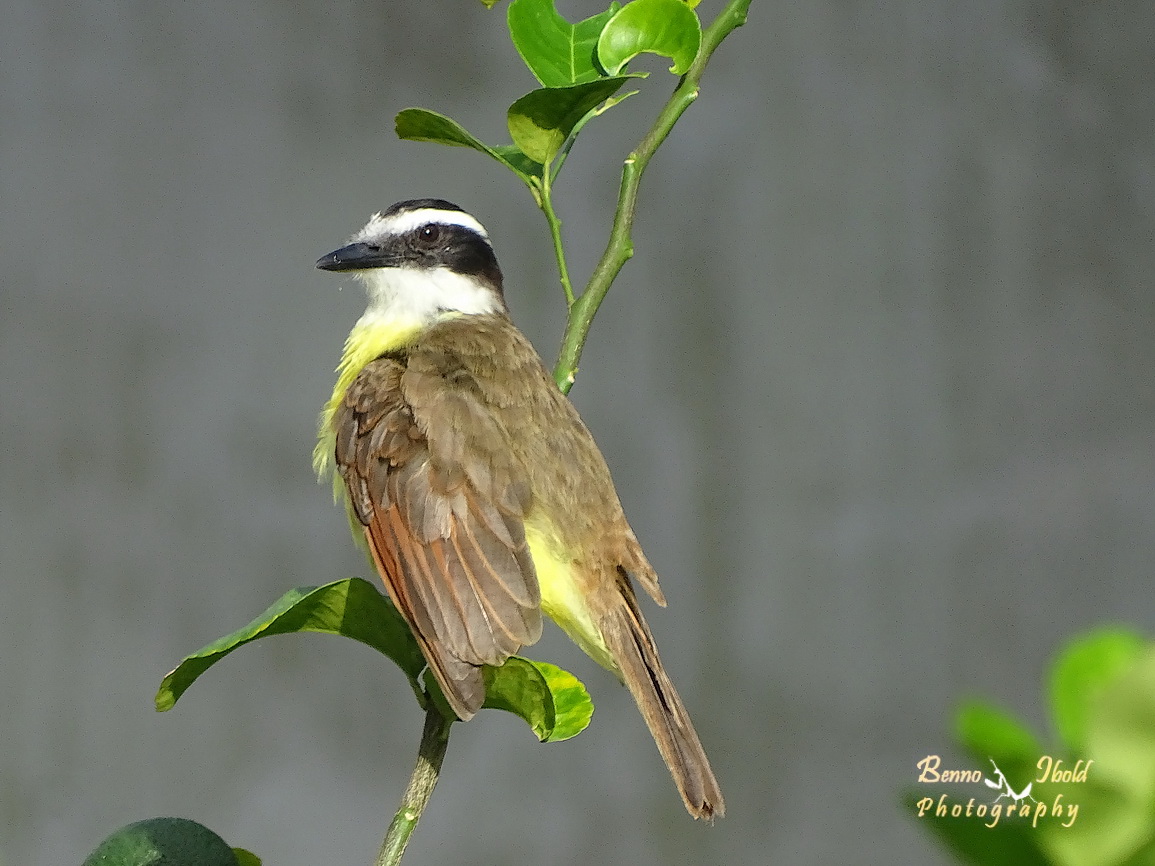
x,y
877,390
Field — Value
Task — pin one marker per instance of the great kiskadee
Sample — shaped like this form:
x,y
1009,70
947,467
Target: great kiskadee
x,y
480,494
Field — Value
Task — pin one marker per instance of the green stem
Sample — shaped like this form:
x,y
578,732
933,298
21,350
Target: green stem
x,y
551,217
434,740
620,247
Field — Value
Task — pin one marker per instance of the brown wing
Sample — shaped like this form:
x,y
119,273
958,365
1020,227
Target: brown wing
x,y
430,478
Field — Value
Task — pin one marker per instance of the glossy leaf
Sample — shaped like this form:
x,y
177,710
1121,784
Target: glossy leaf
x,y
168,841
352,607
1084,668
421,124
619,99
246,857
541,121
524,167
553,702
557,52
669,28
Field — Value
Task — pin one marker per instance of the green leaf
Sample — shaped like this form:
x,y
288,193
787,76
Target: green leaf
x,y
666,27
1085,667
1144,856
542,120
1007,843
557,52
489,4
553,702
1120,733
164,842
246,857
1110,829
352,607
990,734
420,124
522,165
617,100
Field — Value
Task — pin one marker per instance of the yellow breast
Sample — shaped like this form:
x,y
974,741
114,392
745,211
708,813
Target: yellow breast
x,y
370,339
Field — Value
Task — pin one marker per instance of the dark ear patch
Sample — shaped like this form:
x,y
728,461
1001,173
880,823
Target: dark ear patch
x,y
465,252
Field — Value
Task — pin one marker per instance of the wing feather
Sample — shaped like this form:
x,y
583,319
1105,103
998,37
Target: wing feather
x,y
442,504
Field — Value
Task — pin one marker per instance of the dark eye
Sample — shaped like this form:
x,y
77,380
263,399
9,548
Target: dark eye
x,y
430,233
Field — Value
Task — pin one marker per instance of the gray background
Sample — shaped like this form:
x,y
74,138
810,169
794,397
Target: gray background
x,y
877,390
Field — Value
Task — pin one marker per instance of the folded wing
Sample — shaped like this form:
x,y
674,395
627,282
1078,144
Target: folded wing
x,y
431,480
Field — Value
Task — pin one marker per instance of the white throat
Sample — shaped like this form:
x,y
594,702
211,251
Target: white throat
x,y
420,297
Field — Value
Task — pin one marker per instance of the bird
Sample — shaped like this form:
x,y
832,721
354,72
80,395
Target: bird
x,y
479,493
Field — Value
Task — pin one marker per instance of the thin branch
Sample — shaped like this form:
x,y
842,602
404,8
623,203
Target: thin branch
x,y
546,204
434,741
620,247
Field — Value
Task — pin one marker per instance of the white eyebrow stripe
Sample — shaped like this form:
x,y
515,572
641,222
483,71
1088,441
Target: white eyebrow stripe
x,y
399,224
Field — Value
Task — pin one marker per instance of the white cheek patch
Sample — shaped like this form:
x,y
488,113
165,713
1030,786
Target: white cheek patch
x,y
407,221
422,297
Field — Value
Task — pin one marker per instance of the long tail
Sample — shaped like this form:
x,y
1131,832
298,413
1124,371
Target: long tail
x,y
629,640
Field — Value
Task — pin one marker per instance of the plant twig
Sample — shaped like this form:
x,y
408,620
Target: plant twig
x,y
555,235
434,740
620,246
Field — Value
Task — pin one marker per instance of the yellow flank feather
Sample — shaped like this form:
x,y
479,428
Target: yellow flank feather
x,y
561,597
370,339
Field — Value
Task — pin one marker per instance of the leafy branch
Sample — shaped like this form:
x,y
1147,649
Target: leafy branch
x,y
553,702
582,68
620,248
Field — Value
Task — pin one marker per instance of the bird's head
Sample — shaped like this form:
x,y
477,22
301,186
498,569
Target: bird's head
x,y
423,259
